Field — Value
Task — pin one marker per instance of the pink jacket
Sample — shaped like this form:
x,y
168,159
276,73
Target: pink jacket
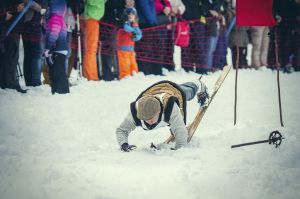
x,y
159,6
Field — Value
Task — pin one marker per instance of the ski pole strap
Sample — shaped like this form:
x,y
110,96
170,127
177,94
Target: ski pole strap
x,y
12,26
275,138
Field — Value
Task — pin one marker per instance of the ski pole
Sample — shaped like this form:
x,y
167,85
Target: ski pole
x,y
275,138
12,26
79,53
232,23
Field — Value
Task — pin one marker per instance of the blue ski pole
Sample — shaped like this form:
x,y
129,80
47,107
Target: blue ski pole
x,y
12,26
232,23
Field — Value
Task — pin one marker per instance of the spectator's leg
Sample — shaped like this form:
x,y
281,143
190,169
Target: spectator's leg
x,y
59,77
264,46
124,64
256,35
212,43
37,62
28,56
90,70
233,55
11,54
108,62
133,64
243,57
69,40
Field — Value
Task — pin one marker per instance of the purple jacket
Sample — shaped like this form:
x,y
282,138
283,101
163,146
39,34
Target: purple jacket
x,y
56,33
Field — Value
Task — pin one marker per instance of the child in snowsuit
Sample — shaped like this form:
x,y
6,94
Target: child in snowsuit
x,y
56,46
126,38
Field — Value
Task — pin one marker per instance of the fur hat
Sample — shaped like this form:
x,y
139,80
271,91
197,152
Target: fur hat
x,y
147,107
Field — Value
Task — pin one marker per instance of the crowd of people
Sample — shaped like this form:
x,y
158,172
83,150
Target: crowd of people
x,y
49,33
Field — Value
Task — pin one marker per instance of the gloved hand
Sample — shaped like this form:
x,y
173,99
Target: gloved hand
x,y
203,96
127,148
43,11
48,56
47,53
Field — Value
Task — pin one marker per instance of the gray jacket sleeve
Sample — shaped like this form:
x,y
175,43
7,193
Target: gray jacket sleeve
x,y
178,127
125,128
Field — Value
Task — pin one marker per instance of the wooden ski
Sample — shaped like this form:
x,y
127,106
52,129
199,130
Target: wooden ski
x,y
195,123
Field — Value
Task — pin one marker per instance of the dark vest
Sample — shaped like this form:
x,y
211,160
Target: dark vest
x,y
172,94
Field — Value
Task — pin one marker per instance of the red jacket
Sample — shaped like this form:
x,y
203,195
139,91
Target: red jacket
x,y
124,39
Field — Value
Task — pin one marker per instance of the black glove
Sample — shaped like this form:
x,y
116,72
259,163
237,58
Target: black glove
x,y
127,148
203,97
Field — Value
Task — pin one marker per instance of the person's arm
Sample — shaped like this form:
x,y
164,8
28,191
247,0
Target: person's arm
x,y
134,28
127,27
138,33
52,32
123,131
178,127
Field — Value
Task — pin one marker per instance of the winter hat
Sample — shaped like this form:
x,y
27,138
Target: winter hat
x,y
130,10
147,107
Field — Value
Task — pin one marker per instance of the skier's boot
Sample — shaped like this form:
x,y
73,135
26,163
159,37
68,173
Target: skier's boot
x,y
202,93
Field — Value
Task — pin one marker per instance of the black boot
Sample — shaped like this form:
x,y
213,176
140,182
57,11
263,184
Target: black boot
x,y
58,75
21,90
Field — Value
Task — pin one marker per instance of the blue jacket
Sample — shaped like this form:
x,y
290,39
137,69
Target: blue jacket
x,y
146,11
133,29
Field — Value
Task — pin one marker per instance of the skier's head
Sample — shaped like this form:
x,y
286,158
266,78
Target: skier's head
x,y
148,109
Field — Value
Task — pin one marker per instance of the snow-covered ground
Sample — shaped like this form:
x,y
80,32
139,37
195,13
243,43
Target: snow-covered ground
x,y
64,146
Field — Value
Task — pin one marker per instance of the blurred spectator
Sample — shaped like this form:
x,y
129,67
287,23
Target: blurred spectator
x,y
56,48
127,36
164,39
33,43
163,11
194,55
70,24
260,46
238,38
213,9
146,13
75,9
177,10
9,46
112,15
93,12
177,7
241,39
287,15
147,18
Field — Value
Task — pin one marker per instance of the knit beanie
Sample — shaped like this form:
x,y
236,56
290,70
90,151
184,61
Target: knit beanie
x,y
130,10
147,107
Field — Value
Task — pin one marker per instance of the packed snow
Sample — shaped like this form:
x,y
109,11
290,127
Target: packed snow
x,y
64,146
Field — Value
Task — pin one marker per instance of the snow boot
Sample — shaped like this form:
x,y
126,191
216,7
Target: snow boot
x,y
202,93
58,75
